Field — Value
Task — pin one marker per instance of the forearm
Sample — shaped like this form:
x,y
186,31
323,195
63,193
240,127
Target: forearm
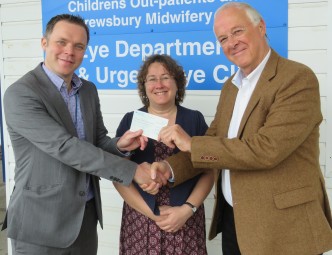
x,y
132,197
177,216
202,188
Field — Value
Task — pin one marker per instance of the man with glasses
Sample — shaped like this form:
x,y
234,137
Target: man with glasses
x,y
264,139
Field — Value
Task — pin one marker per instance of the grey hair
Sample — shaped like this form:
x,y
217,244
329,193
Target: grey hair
x,y
252,13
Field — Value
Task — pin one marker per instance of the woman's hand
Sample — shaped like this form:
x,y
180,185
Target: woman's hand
x,y
173,218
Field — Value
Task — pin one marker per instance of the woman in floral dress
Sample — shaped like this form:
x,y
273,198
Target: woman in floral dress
x,y
166,223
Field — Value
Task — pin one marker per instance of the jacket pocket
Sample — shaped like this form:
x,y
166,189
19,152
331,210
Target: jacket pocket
x,y
294,197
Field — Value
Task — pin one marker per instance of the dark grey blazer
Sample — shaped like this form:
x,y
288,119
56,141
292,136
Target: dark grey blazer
x,y
48,202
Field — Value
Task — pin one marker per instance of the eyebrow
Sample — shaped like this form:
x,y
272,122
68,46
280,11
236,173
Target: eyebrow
x,y
236,27
156,75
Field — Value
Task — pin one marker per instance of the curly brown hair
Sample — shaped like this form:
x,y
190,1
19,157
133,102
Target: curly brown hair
x,y
173,68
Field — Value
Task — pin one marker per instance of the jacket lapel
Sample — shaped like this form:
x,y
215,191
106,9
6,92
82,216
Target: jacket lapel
x,y
228,97
87,114
268,73
47,90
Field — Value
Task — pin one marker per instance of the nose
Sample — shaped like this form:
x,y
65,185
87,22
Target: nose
x,y
159,83
159,80
232,41
69,49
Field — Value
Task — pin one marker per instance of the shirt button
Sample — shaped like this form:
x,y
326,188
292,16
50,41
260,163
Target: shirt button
x,y
82,193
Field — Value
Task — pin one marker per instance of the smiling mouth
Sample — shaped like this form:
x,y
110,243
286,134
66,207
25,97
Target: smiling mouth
x,y
160,93
238,52
67,61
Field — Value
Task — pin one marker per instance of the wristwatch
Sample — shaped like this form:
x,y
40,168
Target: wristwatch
x,y
193,208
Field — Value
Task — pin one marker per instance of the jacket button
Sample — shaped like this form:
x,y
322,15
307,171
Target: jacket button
x,y
82,193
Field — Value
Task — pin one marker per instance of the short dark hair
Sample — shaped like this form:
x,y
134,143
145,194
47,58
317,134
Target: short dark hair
x,y
75,19
173,68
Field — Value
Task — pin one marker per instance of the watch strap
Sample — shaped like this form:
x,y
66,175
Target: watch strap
x,y
193,208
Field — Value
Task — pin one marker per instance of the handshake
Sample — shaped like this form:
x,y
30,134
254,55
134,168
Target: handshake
x,y
151,177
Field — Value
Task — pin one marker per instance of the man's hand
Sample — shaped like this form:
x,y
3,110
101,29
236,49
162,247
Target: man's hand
x,y
143,178
161,169
160,172
175,136
132,140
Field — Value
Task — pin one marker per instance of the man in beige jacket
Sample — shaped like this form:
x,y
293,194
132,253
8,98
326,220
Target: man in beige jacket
x,y
270,191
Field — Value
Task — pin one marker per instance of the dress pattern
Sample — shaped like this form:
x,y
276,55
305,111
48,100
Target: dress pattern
x,y
141,236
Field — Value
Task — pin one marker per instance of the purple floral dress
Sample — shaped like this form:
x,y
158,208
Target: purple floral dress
x,y
141,236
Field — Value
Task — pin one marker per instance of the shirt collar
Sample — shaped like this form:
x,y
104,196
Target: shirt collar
x,y
59,82
253,76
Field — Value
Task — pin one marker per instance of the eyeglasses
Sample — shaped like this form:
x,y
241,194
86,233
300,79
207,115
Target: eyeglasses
x,y
164,79
236,33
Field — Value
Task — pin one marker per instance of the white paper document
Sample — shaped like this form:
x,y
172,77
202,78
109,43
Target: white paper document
x,y
149,123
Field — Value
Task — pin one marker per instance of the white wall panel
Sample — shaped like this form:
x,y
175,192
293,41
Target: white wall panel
x,y
323,85
316,60
28,29
309,14
307,38
4,2
14,67
119,103
21,49
9,80
21,11
322,131
323,101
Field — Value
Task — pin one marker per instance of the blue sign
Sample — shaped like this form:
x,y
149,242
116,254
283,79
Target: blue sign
x,y
123,33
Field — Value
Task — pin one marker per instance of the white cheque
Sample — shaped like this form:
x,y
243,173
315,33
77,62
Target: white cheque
x,y
150,124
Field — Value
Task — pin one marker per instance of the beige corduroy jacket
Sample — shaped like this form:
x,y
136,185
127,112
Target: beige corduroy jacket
x,y
280,201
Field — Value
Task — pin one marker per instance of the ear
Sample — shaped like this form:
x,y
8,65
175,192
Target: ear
x,y
262,27
43,43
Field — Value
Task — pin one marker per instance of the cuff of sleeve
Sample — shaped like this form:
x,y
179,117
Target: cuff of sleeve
x,y
172,178
125,153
